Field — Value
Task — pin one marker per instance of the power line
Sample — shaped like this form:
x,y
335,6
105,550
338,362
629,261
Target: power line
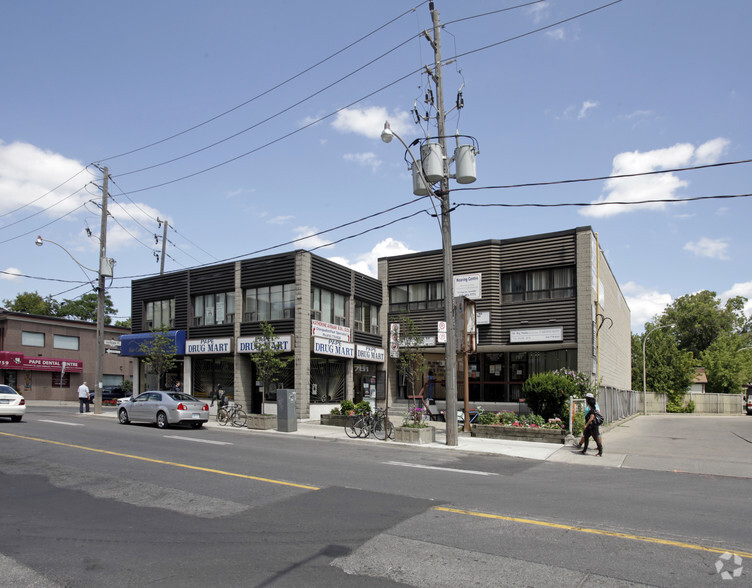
x,y
45,194
43,226
264,93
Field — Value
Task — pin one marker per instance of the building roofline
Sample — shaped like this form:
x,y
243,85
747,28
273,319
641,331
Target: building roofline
x,y
55,319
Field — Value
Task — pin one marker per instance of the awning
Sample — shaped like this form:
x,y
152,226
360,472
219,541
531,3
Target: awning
x,y
130,345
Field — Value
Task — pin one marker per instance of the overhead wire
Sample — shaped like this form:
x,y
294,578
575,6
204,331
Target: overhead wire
x,y
43,195
272,89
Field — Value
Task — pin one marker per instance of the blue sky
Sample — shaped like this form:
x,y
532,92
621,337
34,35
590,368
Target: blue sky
x,y
247,125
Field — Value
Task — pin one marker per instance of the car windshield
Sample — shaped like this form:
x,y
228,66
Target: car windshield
x,y
181,396
7,390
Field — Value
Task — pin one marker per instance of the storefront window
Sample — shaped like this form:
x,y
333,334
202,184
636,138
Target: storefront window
x,y
269,303
538,285
420,296
160,313
328,307
214,309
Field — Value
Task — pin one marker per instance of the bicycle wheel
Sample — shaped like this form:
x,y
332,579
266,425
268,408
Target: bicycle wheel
x,y
222,416
239,419
363,426
379,428
350,429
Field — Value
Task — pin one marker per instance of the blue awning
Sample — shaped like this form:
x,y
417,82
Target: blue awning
x,y
131,344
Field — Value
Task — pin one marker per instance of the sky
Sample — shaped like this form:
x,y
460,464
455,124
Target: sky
x,y
254,128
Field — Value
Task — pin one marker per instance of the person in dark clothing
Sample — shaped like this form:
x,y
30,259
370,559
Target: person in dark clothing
x,y
592,428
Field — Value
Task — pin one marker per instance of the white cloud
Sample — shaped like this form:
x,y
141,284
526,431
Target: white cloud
x,y
587,105
712,248
539,11
653,187
30,177
12,274
279,220
367,263
556,34
644,304
369,122
365,159
740,289
308,238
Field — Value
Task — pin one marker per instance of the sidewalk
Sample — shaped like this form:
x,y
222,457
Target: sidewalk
x,y
694,444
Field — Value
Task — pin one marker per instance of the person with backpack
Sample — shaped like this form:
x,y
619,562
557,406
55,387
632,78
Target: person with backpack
x,y
593,421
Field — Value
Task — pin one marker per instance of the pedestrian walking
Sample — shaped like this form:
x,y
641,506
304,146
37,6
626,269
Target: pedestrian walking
x,y
83,397
597,409
593,421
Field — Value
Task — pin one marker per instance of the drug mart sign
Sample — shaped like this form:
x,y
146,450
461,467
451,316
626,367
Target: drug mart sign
x,y
368,353
281,343
333,347
208,346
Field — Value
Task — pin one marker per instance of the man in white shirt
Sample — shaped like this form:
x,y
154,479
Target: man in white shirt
x,y
83,397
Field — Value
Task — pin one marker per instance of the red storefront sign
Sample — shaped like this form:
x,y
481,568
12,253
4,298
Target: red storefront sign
x,y
11,360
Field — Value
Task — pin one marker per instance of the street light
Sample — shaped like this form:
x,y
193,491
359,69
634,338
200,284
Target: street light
x,y
105,270
644,369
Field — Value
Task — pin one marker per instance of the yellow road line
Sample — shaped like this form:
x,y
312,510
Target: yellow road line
x,y
595,531
162,462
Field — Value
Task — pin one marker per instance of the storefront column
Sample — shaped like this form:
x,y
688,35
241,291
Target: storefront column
x,y
303,333
136,376
188,374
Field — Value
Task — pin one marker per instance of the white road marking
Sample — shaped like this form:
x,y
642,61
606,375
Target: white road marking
x,y
62,423
197,440
453,470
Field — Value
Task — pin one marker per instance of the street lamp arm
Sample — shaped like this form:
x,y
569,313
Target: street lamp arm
x,y
39,242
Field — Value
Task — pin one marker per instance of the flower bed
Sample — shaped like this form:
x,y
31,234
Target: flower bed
x,y
519,433
334,420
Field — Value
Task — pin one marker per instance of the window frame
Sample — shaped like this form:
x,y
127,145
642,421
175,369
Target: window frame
x,y
538,284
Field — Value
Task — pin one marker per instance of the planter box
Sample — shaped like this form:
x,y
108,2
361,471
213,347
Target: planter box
x,y
334,420
519,433
262,421
420,436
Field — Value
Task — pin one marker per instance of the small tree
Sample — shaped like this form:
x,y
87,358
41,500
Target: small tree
x,y
411,361
159,354
269,364
547,393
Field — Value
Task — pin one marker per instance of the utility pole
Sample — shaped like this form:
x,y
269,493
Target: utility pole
x,y
101,296
164,247
450,380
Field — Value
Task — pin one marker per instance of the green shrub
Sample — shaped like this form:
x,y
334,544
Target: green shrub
x,y
487,418
547,394
363,407
578,423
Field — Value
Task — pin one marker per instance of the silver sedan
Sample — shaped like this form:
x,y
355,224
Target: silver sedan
x,y
164,408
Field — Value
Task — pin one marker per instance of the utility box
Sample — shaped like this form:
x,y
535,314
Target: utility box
x,y
287,415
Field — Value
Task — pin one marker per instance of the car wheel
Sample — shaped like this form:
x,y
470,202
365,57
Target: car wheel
x,y
161,420
123,417
197,425
16,418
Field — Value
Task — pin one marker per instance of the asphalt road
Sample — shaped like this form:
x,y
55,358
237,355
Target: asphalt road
x,y
86,501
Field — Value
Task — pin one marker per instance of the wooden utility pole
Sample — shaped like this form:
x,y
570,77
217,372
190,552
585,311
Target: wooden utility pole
x,y
101,297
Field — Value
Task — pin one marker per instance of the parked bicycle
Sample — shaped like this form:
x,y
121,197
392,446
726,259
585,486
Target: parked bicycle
x,y
367,424
232,413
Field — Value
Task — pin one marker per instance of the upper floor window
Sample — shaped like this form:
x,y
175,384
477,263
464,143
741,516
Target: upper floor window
x,y
269,303
160,313
420,296
327,306
65,342
32,339
538,285
214,309
366,317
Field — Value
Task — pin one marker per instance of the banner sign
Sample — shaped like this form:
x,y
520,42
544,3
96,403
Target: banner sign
x,y
10,360
330,331
282,343
368,353
208,346
333,347
468,286
536,335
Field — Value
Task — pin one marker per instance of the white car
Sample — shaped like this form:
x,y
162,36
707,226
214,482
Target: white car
x,y
12,404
